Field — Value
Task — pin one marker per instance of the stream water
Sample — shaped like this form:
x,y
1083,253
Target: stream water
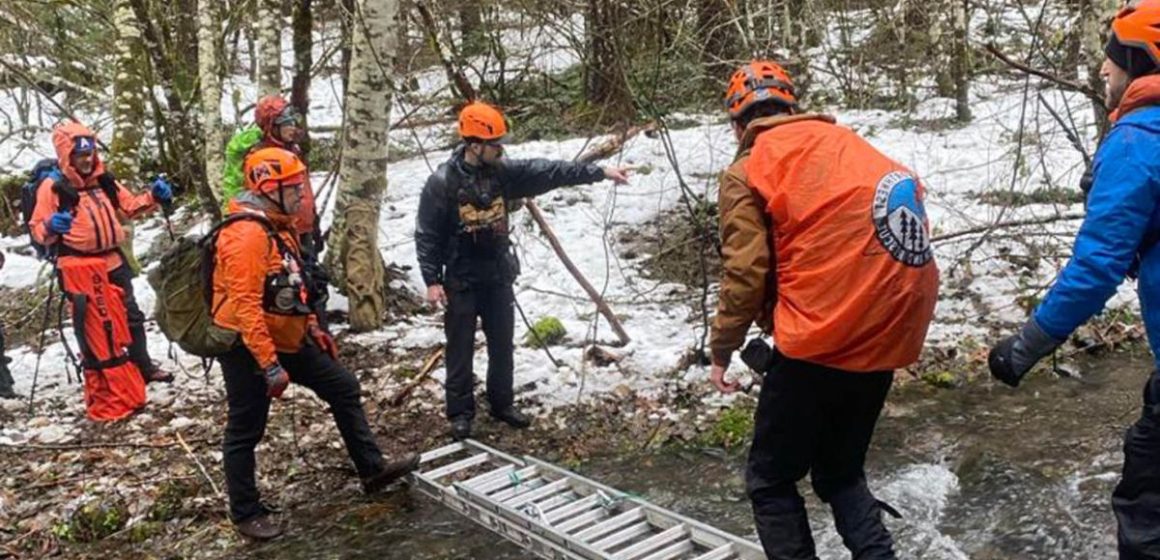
x,y
980,472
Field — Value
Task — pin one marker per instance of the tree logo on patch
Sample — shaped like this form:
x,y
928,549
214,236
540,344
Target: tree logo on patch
x,y
900,219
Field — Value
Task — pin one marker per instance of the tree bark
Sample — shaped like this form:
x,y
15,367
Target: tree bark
x,y
960,59
269,31
605,79
472,41
354,259
210,48
128,110
303,22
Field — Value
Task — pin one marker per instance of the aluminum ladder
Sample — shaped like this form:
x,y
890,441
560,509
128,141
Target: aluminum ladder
x,y
557,514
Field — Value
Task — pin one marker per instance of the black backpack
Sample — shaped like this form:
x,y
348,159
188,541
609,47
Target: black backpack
x,y
65,192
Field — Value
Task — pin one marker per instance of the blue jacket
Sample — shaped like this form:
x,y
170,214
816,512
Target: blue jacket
x,y
1123,207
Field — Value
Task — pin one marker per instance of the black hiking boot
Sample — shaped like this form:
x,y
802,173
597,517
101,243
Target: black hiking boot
x,y
513,418
391,472
460,429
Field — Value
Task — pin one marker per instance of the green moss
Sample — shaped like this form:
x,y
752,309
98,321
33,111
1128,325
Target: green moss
x,y
733,427
940,379
546,332
93,521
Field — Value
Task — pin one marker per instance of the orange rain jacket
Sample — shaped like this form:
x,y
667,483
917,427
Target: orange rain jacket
x,y
96,228
244,258
854,275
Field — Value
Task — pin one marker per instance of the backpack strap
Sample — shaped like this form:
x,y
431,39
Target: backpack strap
x,y
209,249
108,183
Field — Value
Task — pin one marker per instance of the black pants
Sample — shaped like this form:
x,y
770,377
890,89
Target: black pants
x,y
1136,500
122,277
493,304
816,420
249,405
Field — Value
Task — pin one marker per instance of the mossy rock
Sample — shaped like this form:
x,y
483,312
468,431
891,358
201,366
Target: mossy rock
x,y
546,332
93,521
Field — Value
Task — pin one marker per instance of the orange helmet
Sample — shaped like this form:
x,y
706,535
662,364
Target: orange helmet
x,y
269,169
480,121
760,80
1136,31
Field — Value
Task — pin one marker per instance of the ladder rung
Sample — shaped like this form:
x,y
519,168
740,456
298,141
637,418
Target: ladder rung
x,y
539,493
457,466
520,476
595,516
476,481
671,553
722,552
652,543
441,452
617,539
610,525
569,510
557,501
517,489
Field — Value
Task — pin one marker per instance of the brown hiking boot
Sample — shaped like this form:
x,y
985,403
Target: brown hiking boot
x,y
261,527
157,375
391,472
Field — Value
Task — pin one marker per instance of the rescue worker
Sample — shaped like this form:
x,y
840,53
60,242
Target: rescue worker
x,y
261,291
824,240
92,226
282,127
1119,233
6,382
465,255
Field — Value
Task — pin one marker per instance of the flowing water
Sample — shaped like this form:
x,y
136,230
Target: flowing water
x,y
981,472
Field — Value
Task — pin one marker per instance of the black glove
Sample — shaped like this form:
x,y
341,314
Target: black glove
x,y
1015,355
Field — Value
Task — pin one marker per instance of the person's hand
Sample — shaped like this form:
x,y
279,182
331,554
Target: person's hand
x,y
324,341
60,223
162,190
717,376
276,381
436,296
618,175
1015,355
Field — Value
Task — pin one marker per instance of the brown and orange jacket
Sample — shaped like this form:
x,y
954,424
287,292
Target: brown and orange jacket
x,y
245,257
96,228
804,256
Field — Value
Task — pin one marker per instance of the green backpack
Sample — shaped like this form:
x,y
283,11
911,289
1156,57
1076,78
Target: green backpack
x,y
183,283
236,150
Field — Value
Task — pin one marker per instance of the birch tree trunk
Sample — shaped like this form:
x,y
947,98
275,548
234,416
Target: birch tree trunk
x,y
269,32
353,258
209,49
128,110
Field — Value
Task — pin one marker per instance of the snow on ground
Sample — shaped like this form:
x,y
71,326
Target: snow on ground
x,y
955,163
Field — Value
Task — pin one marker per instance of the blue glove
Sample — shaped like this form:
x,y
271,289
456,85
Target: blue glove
x,y
60,223
162,190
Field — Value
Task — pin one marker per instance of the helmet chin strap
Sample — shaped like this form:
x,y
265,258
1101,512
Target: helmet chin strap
x,y
281,201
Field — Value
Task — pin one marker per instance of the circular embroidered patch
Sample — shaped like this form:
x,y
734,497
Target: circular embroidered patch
x,y
900,219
